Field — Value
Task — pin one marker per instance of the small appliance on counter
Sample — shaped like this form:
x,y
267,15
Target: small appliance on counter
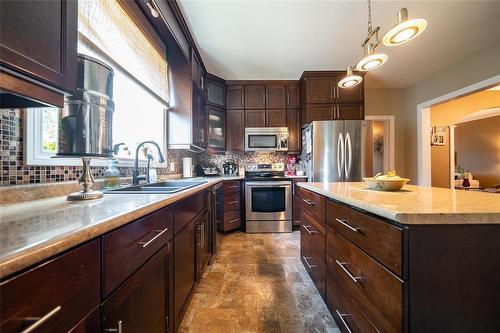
x,y
230,169
290,166
206,170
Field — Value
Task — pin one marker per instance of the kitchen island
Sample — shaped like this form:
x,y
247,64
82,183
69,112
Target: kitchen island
x,y
419,260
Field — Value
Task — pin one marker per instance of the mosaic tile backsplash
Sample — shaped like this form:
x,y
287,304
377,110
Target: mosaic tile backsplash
x,y
15,172
241,158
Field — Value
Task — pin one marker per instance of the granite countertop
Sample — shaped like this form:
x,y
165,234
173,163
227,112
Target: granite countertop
x,y
35,230
416,204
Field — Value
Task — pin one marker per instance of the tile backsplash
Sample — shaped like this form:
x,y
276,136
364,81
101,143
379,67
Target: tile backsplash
x,y
241,158
15,172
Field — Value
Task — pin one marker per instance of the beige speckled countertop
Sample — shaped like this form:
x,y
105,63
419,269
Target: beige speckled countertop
x,y
416,204
32,231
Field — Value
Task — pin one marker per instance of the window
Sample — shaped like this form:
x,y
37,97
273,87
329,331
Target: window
x,y
140,85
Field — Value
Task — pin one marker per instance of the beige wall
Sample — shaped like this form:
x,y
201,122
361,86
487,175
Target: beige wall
x,y
447,114
476,67
477,144
381,102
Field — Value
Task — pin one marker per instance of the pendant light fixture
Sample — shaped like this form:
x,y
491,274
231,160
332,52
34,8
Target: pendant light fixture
x,y
350,80
405,30
371,60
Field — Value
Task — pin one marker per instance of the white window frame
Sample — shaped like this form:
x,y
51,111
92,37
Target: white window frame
x,y
34,154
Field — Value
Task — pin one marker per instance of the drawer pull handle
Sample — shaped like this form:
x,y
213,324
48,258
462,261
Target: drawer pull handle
x,y
234,186
306,259
118,330
347,225
234,220
232,202
159,233
341,316
309,202
352,277
307,227
40,321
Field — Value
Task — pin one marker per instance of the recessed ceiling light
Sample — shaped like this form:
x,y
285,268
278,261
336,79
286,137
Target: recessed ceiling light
x,y
405,30
350,80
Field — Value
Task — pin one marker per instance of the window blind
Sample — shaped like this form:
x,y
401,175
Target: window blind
x,y
106,24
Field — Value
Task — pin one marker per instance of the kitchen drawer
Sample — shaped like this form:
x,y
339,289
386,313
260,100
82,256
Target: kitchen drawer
x,y
346,312
378,292
129,247
312,249
379,239
230,221
231,186
186,210
313,261
313,203
64,290
230,202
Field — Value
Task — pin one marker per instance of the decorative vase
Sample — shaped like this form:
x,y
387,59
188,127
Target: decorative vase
x,y
466,182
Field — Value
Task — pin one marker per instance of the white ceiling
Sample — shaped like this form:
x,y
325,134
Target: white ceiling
x,y
280,39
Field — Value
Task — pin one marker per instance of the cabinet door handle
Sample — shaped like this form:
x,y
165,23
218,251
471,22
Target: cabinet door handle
x,y
287,98
118,330
309,202
306,259
39,321
233,220
352,277
159,233
307,227
232,202
341,316
347,225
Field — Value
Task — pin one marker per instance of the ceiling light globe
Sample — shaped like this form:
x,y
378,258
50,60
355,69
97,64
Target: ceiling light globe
x,y
404,32
372,61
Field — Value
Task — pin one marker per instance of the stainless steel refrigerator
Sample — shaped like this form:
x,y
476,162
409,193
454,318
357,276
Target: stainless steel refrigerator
x,y
337,150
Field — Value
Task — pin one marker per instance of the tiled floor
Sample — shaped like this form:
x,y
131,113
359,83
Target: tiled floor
x,y
257,284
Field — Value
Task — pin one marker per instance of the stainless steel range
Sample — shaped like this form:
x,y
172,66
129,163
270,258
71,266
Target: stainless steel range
x,y
268,198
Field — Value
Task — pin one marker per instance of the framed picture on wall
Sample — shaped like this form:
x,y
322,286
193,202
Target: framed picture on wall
x,y
438,136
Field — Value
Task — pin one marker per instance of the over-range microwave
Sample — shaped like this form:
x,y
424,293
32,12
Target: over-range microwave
x,y
266,139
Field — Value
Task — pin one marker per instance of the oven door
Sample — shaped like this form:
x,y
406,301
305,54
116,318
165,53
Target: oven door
x,y
268,200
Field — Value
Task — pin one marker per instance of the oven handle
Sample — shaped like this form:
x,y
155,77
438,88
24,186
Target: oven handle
x,y
269,184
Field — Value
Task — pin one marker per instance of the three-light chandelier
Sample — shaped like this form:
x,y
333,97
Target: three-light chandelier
x,y
402,32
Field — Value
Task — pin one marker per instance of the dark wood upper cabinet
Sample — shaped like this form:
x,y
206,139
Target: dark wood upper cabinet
x,y
350,111
314,112
39,39
216,128
294,131
293,96
276,118
255,118
352,94
215,93
320,89
255,96
235,130
276,96
235,97
141,304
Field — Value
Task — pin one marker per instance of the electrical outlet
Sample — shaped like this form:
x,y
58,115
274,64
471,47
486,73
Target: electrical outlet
x,y
172,166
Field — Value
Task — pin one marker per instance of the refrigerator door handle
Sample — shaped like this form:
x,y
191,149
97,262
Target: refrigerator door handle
x,y
348,148
341,152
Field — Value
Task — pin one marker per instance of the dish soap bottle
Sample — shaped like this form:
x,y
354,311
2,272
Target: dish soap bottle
x,y
111,176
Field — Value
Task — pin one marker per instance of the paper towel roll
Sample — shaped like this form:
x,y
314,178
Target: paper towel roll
x,y
187,167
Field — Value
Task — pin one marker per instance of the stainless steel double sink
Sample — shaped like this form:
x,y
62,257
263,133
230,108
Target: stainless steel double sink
x,y
157,188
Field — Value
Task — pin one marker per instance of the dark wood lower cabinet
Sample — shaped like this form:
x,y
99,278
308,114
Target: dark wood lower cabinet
x,y
203,248
184,270
140,305
312,249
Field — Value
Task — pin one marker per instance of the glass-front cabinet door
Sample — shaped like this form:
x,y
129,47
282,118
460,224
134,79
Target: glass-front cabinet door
x,y
215,93
216,135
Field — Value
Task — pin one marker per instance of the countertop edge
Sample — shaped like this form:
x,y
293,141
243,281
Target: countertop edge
x,y
423,218
35,254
